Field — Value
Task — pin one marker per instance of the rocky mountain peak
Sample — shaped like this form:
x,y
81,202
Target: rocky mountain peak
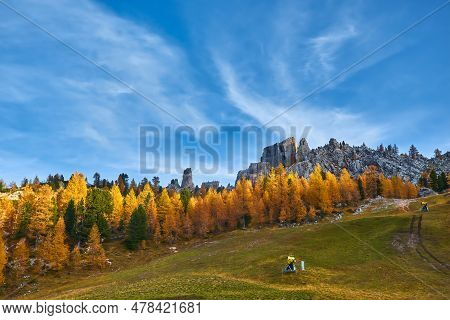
x,y
303,150
283,152
187,181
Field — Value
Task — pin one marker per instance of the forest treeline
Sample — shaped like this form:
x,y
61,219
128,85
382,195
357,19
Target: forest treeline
x,y
51,227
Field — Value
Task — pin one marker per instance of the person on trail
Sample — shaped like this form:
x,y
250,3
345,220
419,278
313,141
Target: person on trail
x,y
424,206
291,263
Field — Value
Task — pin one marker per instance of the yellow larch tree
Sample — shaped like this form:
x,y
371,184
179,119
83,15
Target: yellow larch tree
x,y
76,189
130,205
333,188
370,177
318,195
75,260
296,194
147,199
220,218
25,210
144,196
61,249
43,212
95,254
283,191
259,206
117,202
386,186
231,203
411,190
271,197
244,193
170,230
8,215
188,228
200,217
163,205
398,190
348,188
3,257
54,251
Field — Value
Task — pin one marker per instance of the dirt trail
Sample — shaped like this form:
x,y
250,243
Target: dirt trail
x,y
415,241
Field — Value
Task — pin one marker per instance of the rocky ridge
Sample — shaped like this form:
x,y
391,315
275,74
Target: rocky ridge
x,y
335,156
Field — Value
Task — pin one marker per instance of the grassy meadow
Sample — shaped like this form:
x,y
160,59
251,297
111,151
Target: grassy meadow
x,y
364,256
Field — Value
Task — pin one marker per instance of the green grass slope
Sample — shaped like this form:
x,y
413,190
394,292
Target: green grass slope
x,y
360,257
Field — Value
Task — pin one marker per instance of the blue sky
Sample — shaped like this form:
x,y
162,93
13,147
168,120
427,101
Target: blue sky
x,y
213,63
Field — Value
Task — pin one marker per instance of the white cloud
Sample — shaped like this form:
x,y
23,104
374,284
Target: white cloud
x,y
325,48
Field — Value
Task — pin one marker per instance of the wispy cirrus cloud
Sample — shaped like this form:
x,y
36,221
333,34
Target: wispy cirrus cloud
x,y
73,108
326,121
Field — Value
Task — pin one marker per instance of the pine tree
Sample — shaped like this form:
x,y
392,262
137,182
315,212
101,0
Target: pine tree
x,y
361,187
99,208
437,154
70,221
137,228
155,184
95,254
442,182
413,152
434,184
185,196
133,186
3,257
122,183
